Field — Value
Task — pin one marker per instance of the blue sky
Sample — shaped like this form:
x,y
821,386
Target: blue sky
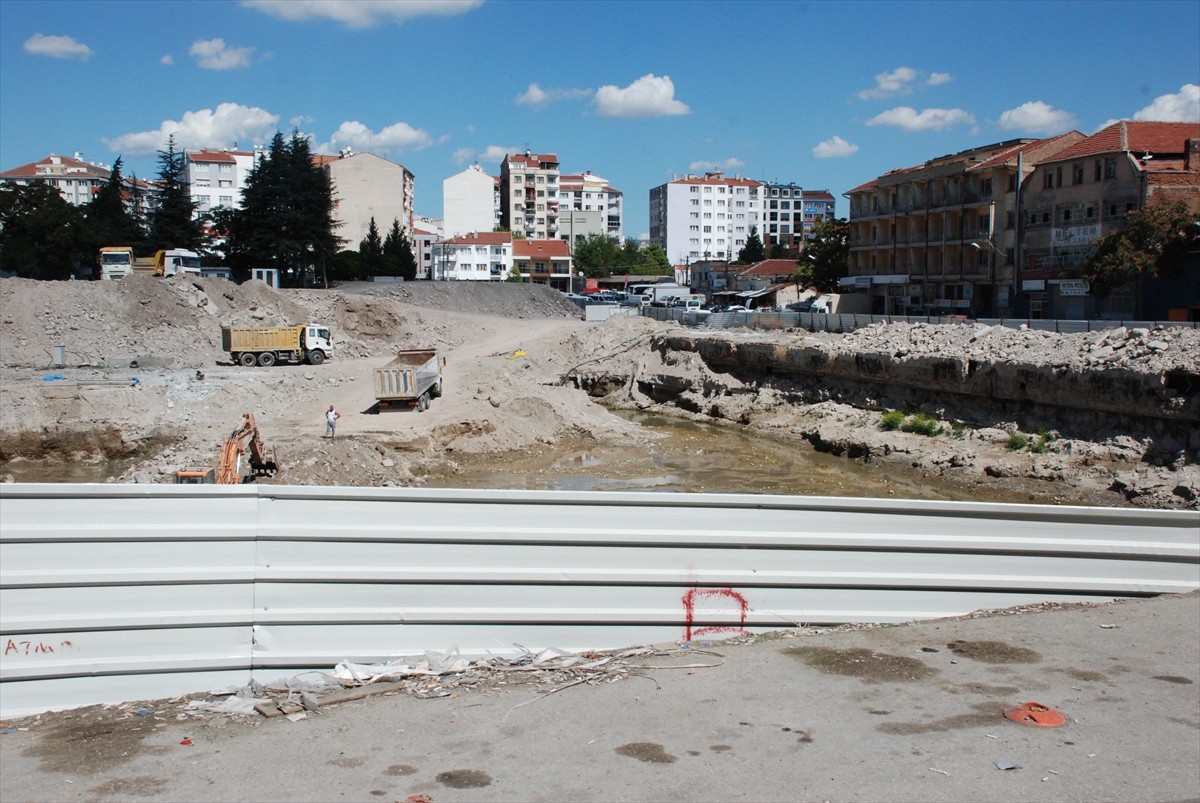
x,y
826,94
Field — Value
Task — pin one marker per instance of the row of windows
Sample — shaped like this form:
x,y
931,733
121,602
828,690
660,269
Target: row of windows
x,y
202,167
1102,170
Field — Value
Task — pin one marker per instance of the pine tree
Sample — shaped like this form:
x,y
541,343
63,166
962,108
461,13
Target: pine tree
x,y
173,223
370,252
391,249
408,260
753,251
109,221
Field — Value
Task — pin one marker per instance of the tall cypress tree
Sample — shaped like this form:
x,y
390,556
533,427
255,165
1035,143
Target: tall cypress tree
x,y
370,252
173,222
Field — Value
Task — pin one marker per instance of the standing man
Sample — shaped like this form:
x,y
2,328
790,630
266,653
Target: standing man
x,y
331,418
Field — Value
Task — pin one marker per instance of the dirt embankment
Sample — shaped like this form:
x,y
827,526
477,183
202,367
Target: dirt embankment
x,y
1106,416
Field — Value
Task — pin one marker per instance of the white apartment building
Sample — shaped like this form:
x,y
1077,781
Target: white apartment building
x,y
424,235
476,257
588,205
469,202
76,179
367,186
529,195
216,178
705,217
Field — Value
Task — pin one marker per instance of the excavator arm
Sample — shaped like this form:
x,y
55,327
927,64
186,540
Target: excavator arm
x,y
245,440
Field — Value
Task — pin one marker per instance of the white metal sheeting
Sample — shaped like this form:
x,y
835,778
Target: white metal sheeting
x,y
112,592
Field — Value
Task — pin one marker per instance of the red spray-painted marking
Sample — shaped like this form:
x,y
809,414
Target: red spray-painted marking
x,y
689,607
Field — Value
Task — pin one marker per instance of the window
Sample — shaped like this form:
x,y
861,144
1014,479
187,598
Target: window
x,y
226,200
1048,180
1091,212
695,202
1066,215
1110,168
694,188
1058,176
1098,173
985,186
1077,174
225,168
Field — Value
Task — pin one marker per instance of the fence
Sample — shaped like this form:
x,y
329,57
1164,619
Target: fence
x,y
124,592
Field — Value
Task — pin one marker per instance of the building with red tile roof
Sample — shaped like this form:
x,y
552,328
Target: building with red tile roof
x,y
707,217
1081,194
492,256
75,178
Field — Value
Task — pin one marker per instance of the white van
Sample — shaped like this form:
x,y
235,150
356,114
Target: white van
x,y
822,305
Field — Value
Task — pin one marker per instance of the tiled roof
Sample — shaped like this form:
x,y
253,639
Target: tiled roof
x,y
1135,137
541,248
532,160
320,159
212,156
768,268
737,181
482,238
65,166
817,195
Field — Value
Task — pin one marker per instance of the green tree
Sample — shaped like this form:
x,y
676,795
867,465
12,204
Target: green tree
x,y
779,251
108,219
1155,241
514,275
286,220
597,255
652,261
753,251
173,223
398,254
41,234
344,267
826,257
370,252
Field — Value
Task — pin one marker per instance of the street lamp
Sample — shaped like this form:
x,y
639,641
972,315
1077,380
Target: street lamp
x,y
978,246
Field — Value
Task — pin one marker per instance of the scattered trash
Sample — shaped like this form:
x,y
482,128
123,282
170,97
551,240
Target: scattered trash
x,y
9,730
933,769
186,742
1035,714
1110,627
143,712
990,736
52,377
1006,764
419,799
297,716
929,649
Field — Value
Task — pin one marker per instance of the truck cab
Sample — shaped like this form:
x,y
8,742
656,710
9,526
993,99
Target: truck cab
x,y
176,260
116,261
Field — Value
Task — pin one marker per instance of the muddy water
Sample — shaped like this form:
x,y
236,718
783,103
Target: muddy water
x,y
700,458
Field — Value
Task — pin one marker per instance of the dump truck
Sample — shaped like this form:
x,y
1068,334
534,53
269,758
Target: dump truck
x,y
410,380
116,261
306,342
176,260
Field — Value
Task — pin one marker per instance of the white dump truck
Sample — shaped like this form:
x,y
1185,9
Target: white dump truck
x,y
116,261
410,380
265,346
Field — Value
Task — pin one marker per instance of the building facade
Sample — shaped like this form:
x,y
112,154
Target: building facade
x,y
529,195
367,186
819,206
469,202
789,214
76,179
588,206
216,178
705,217
1082,194
544,262
941,238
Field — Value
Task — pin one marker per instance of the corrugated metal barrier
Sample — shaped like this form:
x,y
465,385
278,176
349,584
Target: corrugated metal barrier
x,y
124,592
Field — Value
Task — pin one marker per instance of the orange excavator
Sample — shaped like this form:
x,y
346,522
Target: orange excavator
x,y
245,441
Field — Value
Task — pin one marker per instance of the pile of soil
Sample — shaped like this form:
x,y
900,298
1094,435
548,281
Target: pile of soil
x,y
145,380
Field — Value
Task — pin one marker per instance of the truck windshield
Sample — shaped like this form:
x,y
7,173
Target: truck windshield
x,y
189,262
114,259
324,334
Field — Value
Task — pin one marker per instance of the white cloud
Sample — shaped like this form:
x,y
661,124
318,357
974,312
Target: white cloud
x,y
355,135
909,119
298,120
536,96
361,13
732,163
1036,117
1182,107
834,148
230,123
214,54
648,96
167,59
492,153
938,78
897,82
57,47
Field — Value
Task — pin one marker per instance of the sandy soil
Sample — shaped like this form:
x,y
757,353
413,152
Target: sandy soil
x,y
508,349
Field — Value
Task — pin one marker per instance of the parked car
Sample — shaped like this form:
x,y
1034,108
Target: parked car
x,y
800,306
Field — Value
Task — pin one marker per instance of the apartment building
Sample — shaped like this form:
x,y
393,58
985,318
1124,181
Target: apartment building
x,y
588,206
76,179
941,238
529,195
425,234
819,206
544,262
789,214
1081,194
216,177
470,202
474,257
705,217
367,186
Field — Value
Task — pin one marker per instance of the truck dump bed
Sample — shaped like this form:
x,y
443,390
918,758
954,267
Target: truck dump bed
x,y
410,374
280,338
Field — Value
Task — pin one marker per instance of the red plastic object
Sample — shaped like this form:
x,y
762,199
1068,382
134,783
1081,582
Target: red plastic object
x,y
1035,714
186,743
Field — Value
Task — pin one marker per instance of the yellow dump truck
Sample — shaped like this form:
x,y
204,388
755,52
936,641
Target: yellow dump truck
x,y
307,342
410,380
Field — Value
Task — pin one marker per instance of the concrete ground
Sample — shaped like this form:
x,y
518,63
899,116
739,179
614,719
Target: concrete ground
x,y
913,712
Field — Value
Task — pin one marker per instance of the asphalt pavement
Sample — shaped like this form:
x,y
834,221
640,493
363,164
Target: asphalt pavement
x,y
910,712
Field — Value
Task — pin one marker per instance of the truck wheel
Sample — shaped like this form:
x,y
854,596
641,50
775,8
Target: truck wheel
x,y
316,357
436,391
248,360
423,402
266,359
